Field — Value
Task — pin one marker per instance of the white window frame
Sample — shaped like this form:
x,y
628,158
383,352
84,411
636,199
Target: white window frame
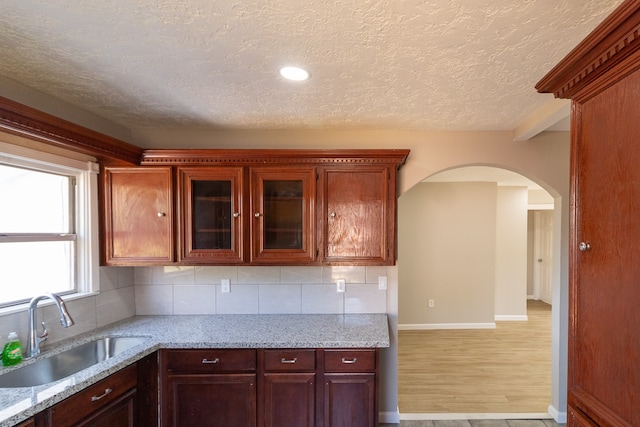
x,y
86,214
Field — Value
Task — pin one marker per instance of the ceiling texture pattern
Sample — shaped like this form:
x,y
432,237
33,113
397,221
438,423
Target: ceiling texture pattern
x,y
374,64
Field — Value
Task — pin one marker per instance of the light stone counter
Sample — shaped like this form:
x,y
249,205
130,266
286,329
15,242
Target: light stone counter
x,y
221,331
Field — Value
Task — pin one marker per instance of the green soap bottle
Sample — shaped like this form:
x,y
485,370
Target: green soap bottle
x,y
12,352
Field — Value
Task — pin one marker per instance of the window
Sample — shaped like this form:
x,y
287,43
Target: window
x,y
45,224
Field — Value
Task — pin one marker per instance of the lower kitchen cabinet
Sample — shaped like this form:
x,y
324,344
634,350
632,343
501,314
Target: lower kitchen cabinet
x,y
290,388
350,392
109,402
269,387
212,387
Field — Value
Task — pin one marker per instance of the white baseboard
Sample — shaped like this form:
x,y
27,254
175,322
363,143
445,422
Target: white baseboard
x,y
389,417
560,417
511,318
430,326
483,416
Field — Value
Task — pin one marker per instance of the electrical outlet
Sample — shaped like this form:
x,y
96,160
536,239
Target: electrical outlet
x,y
340,285
382,283
432,303
225,286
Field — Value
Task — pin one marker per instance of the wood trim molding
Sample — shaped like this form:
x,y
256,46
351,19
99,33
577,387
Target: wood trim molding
x,y
24,121
21,120
614,43
264,157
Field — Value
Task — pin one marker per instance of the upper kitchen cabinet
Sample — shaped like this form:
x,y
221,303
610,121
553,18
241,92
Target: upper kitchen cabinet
x,y
283,227
359,222
211,214
138,215
258,207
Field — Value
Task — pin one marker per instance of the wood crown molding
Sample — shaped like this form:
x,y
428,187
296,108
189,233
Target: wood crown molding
x,y
612,44
28,122
259,157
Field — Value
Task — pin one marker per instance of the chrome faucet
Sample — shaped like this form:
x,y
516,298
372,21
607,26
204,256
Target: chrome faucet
x,y
33,345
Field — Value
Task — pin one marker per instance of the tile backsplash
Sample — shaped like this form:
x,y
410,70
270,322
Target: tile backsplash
x,y
114,302
258,290
174,290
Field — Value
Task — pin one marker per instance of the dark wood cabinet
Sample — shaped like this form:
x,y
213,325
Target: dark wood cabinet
x,y
283,227
258,207
31,422
602,78
350,393
138,216
211,219
358,220
289,388
212,387
109,402
269,387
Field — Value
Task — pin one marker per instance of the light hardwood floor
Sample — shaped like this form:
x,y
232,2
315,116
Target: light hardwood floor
x,y
502,370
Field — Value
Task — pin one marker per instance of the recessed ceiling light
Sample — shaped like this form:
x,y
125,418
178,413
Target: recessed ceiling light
x,y
294,73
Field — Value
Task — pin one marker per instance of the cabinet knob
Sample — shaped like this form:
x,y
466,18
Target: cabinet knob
x,y
236,214
584,246
332,214
257,214
161,214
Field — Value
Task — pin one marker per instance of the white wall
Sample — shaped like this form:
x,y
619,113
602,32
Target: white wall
x,y
511,254
448,240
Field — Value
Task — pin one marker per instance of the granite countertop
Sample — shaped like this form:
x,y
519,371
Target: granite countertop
x,y
217,331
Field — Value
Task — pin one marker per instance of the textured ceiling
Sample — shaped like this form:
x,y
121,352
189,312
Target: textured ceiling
x,y
395,64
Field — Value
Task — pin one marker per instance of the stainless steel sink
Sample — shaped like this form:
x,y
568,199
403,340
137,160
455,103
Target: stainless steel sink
x,y
68,362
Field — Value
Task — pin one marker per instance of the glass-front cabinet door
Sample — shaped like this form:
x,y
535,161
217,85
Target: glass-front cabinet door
x,y
211,215
283,209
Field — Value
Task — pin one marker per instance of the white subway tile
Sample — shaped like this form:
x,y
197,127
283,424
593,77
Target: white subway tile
x,y
194,299
115,305
350,273
173,275
213,275
125,277
280,299
108,278
258,275
143,275
322,299
373,272
300,275
154,299
364,298
243,299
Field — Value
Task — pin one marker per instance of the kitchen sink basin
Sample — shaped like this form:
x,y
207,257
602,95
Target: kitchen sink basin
x,y
68,362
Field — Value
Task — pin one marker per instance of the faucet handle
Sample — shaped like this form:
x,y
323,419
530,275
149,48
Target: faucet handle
x,y
45,334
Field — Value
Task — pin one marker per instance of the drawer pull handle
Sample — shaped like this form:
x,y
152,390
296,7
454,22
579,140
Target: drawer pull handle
x,y
207,361
294,360
106,391
349,361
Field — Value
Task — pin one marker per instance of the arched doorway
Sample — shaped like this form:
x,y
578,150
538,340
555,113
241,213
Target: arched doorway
x,y
467,247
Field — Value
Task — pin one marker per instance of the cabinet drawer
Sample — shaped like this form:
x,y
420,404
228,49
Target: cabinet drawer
x,y
93,398
289,360
210,360
349,360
